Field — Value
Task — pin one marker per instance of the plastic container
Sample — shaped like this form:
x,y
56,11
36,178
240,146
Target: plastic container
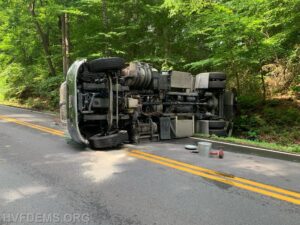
x,y
216,154
204,148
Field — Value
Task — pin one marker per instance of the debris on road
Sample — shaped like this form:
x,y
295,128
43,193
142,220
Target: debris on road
x,y
216,154
204,148
190,147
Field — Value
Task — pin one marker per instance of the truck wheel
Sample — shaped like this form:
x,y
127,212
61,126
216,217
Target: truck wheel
x,y
217,76
99,65
217,84
217,124
109,141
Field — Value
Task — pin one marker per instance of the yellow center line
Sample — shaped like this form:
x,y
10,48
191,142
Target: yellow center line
x,y
195,170
225,180
34,126
228,176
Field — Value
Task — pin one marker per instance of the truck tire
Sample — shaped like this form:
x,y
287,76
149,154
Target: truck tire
x,y
217,124
217,76
103,64
217,84
109,141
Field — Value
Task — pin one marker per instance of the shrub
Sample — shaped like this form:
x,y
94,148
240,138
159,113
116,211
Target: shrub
x,y
249,102
282,116
249,122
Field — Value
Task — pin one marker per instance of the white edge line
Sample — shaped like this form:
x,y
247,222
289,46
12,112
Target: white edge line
x,y
30,110
246,146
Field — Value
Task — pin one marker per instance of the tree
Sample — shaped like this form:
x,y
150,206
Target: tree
x,y
44,36
252,41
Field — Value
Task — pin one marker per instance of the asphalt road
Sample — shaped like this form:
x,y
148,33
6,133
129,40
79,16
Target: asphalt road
x,y
46,179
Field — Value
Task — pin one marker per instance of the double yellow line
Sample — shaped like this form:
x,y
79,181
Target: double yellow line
x,y
249,185
34,126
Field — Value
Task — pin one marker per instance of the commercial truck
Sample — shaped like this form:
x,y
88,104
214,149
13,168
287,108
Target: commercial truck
x,y
107,102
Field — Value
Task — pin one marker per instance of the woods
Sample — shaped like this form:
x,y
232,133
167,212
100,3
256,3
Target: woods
x,y
256,42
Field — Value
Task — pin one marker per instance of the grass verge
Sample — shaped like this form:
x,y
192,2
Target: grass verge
x,y
16,104
293,148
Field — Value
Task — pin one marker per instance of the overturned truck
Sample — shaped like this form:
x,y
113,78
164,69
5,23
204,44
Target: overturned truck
x,y
106,103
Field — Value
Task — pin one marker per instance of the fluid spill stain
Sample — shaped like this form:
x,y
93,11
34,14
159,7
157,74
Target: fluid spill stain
x,y
103,165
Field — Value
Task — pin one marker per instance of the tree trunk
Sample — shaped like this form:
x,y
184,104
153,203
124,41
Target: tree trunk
x,y
65,42
104,15
263,86
237,82
44,38
105,25
135,11
166,44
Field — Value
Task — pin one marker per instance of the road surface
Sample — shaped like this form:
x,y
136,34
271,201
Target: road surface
x,y
47,179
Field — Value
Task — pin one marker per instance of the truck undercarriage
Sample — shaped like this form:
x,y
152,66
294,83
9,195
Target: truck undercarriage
x,y
107,103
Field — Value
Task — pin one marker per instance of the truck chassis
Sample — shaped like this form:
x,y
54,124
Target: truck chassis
x,y
106,103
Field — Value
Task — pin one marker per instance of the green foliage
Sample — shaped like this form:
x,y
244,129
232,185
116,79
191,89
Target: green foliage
x,y
236,36
296,88
286,116
249,125
248,102
275,121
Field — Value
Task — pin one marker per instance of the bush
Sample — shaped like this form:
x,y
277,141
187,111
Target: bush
x,y
31,86
275,121
20,84
282,116
246,102
49,91
248,122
